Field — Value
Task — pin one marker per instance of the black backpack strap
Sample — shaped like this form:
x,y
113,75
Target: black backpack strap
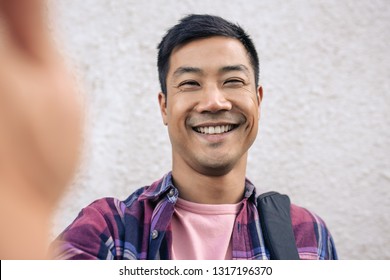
x,y
275,219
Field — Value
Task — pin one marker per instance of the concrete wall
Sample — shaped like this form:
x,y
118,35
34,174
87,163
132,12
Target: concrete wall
x,y
325,128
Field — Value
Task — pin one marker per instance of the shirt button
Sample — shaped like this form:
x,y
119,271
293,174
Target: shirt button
x,y
171,193
154,234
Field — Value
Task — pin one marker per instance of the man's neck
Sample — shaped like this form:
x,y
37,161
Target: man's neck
x,y
200,188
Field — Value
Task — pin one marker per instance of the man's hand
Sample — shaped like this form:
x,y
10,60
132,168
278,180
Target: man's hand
x,y
40,129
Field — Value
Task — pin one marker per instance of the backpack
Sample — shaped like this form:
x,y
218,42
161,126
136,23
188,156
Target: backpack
x,y
275,220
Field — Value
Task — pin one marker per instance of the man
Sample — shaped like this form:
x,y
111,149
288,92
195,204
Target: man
x,y
205,208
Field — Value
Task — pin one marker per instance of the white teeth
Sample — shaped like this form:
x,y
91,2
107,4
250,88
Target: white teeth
x,y
214,129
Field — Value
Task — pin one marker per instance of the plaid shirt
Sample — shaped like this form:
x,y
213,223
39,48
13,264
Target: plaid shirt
x,y
139,228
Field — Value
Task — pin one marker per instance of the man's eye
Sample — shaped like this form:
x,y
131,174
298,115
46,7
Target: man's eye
x,y
189,85
234,83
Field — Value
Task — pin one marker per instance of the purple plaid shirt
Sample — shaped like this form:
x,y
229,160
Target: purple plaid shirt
x,y
139,228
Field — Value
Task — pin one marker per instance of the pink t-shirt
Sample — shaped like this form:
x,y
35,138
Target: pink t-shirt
x,y
202,231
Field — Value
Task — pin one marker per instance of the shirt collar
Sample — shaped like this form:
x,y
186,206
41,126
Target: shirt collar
x,y
250,191
160,187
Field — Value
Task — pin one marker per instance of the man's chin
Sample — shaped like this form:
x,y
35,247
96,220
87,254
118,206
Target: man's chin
x,y
216,169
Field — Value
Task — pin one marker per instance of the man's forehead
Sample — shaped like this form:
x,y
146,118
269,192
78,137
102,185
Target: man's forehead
x,y
222,53
202,42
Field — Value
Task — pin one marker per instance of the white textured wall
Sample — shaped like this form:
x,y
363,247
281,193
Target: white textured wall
x,y
325,128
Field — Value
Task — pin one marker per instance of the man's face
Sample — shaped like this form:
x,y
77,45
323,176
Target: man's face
x,y
212,106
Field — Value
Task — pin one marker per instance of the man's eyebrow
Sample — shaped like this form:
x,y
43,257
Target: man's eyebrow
x,y
228,68
238,67
187,69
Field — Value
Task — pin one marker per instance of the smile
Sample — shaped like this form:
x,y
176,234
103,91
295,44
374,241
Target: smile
x,y
219,129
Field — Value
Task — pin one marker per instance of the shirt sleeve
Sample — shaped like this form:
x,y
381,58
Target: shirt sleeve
x,y
313,239
90,236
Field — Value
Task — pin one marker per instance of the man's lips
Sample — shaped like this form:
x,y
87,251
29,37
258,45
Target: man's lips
x,y
211,129
215,124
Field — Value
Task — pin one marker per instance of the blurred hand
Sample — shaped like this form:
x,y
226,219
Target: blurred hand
x,y
40,129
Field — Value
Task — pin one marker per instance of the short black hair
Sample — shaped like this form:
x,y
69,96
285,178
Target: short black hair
x,y
194,27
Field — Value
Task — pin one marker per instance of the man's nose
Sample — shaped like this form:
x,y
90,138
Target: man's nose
x,y
212,100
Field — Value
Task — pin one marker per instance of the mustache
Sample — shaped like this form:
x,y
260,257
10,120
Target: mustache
x,y
219,117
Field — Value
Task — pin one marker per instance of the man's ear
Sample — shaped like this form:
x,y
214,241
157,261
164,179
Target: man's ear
x,y
162,100
259,94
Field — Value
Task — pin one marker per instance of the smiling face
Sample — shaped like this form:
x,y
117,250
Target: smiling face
x,y
212,106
